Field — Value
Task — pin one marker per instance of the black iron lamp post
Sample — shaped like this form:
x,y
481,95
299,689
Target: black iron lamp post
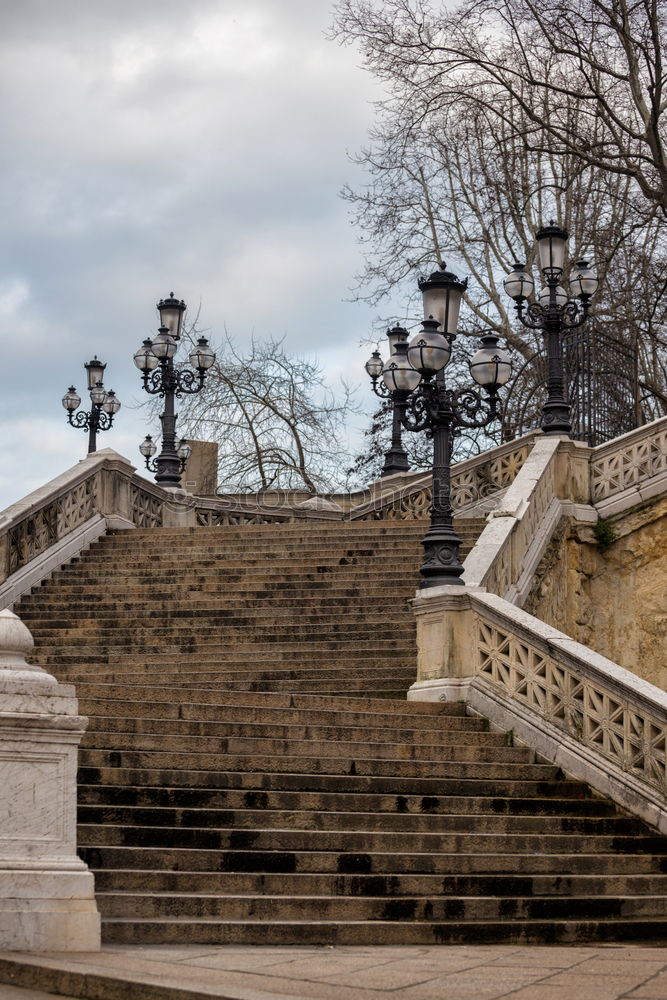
x,y
104,404
396,459
417,370
148,448
155,360
554,313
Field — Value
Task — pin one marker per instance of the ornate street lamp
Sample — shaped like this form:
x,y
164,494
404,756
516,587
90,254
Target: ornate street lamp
x,y
417,371
554,313
396,459
155,360
148,448
104,404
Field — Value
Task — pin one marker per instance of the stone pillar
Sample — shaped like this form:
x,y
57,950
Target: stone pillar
x,y
47,900
179,510
445,650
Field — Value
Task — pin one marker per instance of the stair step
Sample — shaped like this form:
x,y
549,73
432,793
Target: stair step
x,y
253,773
269,932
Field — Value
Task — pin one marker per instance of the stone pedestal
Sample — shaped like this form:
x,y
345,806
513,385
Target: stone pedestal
x,y
445,653
47,900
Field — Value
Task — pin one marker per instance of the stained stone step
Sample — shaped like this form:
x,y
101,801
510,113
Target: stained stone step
x,y
147,712
305,702
179,627
266,907
218,578
237,782
345,841
334,802
387,886
211,747
546,786
346,734
323,602
376,932
246,818
370,862
285,639
264,655
389,684
152,759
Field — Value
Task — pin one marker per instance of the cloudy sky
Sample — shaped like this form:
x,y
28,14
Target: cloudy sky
x,y
151,145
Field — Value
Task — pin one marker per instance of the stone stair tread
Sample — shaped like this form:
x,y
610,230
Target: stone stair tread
x,y
251,756
370,862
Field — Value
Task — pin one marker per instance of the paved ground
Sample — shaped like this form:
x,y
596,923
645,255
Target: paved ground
x,y
379,973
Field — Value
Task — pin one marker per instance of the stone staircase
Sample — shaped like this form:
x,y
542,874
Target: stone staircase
x,y
252,772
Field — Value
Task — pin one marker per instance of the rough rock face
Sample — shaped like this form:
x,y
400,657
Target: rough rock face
x,y
611,597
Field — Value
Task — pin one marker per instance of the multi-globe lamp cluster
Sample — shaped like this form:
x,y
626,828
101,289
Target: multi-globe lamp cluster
x,y
414,376
160,377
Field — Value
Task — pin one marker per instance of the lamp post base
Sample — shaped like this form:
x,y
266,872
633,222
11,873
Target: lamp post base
x,y
556,418
395,460
441,566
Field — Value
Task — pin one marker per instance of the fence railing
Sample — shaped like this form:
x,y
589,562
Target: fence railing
x,y
629,462
221,513
54,523
50,525
520,527
601,722
472,480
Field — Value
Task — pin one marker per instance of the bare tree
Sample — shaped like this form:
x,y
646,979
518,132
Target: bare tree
x,y
276,423
446,168
587,75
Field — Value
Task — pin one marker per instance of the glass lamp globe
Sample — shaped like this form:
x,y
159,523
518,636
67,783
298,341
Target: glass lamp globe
x,y
374,365
183,450
148,447
551,242
71,399
98,395
519,283
164,345
545,296
202,356
171,315
111,403
441,293
429,350
94,371
144,358
398,374
490,366
396,335
583,280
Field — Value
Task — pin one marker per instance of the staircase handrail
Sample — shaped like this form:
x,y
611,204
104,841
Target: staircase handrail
x,y
53,523
472,479
508,551
632,463
597,720
223,511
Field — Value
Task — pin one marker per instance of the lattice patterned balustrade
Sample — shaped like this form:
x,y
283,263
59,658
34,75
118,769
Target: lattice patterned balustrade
x,y
146,507
207,517
629,461
472,480
32,535
595,712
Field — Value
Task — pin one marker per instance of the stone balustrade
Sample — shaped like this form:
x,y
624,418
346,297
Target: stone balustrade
x,y
630,469
599,722
407,497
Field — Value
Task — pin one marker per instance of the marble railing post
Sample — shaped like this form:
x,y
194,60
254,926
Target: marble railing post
x,y
47,898
445,647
